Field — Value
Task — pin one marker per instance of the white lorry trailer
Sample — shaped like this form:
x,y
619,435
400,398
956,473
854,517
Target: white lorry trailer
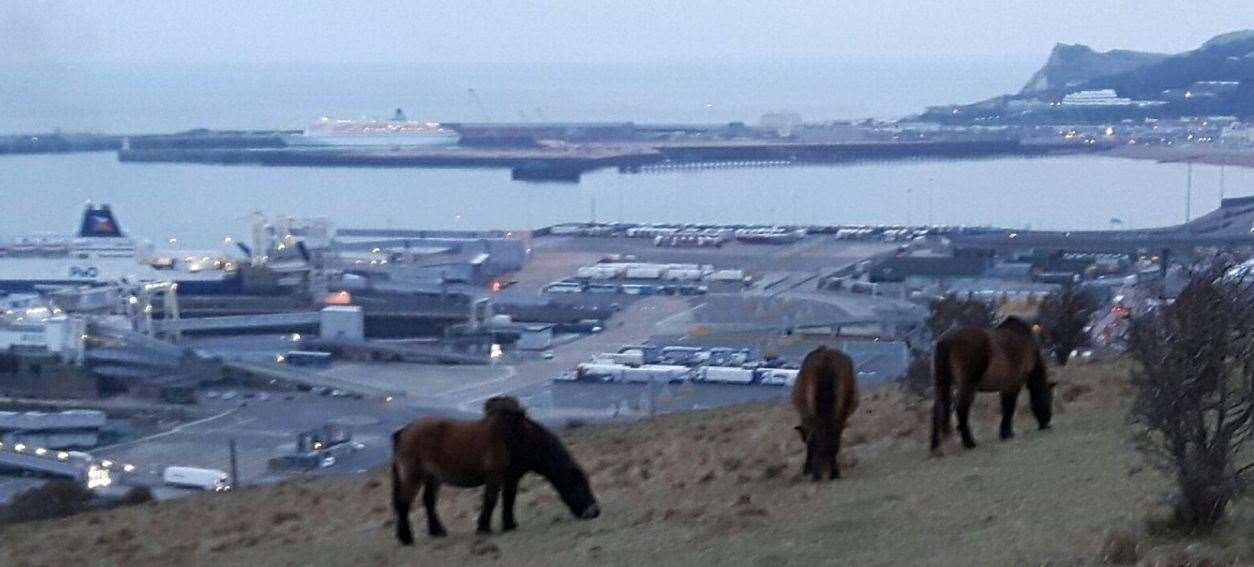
x,y
209,480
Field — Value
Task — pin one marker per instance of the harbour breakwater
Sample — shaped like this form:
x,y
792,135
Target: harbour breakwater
x,y
568,163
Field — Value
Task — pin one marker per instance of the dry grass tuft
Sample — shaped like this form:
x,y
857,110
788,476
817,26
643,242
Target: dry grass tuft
x,y
1122,547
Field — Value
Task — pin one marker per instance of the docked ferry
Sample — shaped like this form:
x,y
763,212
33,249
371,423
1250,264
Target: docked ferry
x,y
399,131
100,253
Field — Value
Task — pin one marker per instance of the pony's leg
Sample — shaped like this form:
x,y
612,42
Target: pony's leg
x,y
430,491
1040,396
1009,401
966,396
940,421
404,489
509,491
834,467
936,425
805,466
491,491
811,448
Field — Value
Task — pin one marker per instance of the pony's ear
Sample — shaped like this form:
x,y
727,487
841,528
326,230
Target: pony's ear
x,y
1051,384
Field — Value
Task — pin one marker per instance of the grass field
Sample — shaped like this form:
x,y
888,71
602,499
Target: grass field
x,y
715,487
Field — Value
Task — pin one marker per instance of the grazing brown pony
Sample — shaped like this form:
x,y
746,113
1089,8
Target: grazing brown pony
x,y
493,452
1003,359
825,395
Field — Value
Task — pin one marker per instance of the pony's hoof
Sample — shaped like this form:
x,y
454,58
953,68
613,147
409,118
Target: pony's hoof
x,y
1007,436
969,444
1046,426
509,527
484,531
405,539
438,533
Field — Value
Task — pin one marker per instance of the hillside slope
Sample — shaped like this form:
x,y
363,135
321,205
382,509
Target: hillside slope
x,y
1229,57
1070,65
702,488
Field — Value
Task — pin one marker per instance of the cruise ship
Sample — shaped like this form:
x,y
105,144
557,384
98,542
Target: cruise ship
x,y
399,131
100,253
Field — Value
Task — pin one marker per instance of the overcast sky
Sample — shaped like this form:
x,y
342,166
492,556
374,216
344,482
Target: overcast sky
x,y
595,30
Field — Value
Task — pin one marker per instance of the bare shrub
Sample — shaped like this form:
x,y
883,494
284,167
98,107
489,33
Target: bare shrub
x,y
1064,316
917,379
136,495
1122,547
1194,393
56,499
952,311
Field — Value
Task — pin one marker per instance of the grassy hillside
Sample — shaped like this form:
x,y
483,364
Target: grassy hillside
x,y
706,488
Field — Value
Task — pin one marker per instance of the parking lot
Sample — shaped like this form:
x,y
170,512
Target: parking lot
x,y
264,425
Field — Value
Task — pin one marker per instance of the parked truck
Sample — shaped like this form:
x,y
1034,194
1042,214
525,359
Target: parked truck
x,y
627,357
209,480
659,373
726,375
600,372
777,376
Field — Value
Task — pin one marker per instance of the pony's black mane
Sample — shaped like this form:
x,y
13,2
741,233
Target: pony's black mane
x,y
533,446
548,447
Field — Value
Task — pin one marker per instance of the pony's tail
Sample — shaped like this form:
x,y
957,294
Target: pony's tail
x,y
825,391
943,381
397,488
402,495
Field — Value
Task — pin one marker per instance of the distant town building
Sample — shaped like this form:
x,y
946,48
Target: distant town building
x,y
830,132
1211,89
1104,98
782,123
1238,133
1026,104
1101,97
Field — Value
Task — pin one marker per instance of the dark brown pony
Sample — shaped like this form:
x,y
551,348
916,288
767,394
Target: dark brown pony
x,y
825,395
1003,359
493,452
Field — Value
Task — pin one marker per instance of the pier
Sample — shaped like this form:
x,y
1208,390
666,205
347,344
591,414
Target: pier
x,y
568,163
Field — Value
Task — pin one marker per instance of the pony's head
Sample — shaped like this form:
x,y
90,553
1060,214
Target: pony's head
x,y
541,451
501,403
1012,323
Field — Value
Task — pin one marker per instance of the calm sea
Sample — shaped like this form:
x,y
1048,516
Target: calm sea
x,y
201,204
169,97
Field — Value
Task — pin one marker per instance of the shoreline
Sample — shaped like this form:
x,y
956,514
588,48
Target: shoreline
x,y
1208,155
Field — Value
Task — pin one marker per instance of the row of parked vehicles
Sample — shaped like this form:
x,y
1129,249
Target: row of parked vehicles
x,y
674,374
574,286
645,278
648,271
720,231
673,364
